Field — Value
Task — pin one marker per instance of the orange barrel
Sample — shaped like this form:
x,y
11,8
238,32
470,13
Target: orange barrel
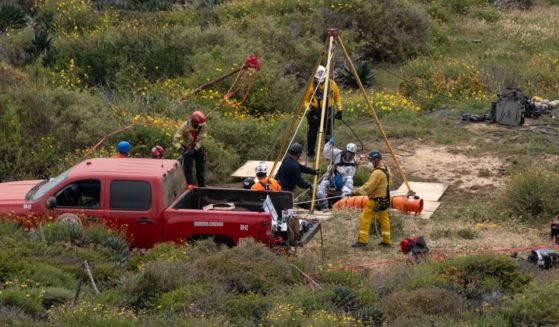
x,y
406,204
352,202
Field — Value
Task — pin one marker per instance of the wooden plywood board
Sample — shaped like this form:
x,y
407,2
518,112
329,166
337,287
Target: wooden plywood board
x,y
426,191
304,214
247,170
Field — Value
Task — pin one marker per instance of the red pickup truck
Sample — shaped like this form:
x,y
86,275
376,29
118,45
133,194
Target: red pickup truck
x,y
149,199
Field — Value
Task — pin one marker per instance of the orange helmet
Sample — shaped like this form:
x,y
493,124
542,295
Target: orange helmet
x,y
199,116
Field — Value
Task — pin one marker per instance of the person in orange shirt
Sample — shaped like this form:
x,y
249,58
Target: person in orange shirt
x,y
123,149
264,183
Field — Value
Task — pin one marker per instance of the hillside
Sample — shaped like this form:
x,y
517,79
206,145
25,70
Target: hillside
x,y
73,71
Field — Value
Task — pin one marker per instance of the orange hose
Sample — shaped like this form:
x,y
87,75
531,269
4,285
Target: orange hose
x,y
352,202
398,202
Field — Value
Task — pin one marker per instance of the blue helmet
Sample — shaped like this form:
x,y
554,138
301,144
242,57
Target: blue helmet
x,y
123,147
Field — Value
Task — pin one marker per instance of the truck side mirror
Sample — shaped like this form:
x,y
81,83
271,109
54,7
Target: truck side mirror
x,y
51,202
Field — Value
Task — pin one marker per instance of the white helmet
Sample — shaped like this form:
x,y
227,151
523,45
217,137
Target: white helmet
x,y
320,74
351,147
261,168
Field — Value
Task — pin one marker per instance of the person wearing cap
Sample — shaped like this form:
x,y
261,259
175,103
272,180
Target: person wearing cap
x,y
123,149
314,97
377,189
189,141
340,172
264,183
289,173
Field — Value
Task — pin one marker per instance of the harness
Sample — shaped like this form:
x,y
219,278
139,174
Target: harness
x,y
319,94
382,204
266,185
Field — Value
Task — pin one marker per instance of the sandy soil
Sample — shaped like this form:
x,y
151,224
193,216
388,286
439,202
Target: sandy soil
x,y
460,167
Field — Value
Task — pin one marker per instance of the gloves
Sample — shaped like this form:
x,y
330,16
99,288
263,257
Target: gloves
x,y
316,172
338,115
331,140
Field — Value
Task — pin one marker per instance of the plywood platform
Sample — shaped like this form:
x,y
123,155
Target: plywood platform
x,y
429,192
247,170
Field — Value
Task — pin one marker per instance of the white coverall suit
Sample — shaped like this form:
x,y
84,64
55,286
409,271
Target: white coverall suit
x,y
338,166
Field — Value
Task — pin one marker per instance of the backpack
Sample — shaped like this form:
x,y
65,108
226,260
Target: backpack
x,y
414,246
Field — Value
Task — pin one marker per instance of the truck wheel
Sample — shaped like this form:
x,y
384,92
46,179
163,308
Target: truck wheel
x,y
69,218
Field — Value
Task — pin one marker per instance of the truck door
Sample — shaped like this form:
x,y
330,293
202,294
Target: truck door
x,y
131,206
79,202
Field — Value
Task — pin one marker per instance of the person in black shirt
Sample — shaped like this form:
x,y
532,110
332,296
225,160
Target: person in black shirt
x,y
289,173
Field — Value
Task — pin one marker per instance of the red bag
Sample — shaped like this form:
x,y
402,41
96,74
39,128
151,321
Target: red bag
x,y
416,245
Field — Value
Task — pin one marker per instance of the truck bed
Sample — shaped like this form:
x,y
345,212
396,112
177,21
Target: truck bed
x,y
232,200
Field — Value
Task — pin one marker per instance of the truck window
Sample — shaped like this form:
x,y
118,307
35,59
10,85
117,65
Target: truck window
x,y
43,189
174,184
80,194
130,195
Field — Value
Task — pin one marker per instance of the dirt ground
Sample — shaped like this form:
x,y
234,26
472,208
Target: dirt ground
x,y
460,167
466,171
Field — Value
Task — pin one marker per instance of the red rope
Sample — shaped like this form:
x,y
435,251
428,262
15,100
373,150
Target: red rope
x,y
443,254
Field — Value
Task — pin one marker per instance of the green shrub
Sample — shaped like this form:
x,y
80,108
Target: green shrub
x,y
14,316
11,16
466,233
184,298
477,275
54,296
538,305
48,275
364,72
158,277
431,301
25,299
531,193
247,309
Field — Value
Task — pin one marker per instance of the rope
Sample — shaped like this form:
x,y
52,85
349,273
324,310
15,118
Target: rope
x,y
298,126
388,262
328,198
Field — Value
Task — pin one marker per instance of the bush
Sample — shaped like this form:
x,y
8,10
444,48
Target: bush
x,y
59,121
247,309
26,300
477,276
420,302
538,305
11,16
55,296
532,193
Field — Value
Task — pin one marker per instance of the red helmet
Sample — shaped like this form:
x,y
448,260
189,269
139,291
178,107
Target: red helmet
x,y
157,152
199,116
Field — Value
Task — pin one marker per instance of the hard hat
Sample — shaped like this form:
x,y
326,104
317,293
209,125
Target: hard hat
x,y
157,151
123,147
261,168
248,182
198,116
351,147
295,149
375,154
320,74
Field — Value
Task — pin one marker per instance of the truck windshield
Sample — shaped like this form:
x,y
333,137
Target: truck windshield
x,y
44,188
174,184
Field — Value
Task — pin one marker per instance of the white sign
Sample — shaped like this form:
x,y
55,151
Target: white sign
x,y
269,208
208,224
